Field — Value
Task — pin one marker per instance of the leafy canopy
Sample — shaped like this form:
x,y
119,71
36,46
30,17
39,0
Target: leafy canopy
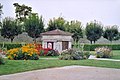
x,y
34,25
10,28
94,31
22,11
74,27
111,33
56,24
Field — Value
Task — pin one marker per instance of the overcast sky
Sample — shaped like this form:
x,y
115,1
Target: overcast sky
x,y
106,11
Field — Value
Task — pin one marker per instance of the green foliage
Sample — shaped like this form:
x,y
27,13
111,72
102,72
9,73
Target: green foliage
x,y
10,45
72,54
34,26
22,11
1,12
86,54
116,54
52,53
103,52
56,24
25,56
91,47
10,28
94,31
27,52
2,61
1,6
74,27
111,33
16,66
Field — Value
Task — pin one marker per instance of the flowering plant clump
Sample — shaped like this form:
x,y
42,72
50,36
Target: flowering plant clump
x,y
103,52
72,54
45,51
24,53
2,52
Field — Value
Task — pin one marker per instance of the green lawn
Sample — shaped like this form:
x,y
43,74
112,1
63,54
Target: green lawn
x,y
15,66
116,54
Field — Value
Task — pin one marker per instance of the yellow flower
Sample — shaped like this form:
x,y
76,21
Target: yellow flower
x,y
15,55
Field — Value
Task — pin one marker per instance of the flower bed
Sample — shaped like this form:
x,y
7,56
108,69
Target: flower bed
x,y
24,53
31,52
45,51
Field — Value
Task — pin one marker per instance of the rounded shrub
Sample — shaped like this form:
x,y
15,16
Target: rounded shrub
x,y
52,53
103,52
72,54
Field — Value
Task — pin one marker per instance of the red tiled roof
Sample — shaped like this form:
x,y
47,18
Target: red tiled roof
x,y
57,32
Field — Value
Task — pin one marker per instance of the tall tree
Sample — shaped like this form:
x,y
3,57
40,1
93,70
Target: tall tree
x,y
10,28
94,31
56,24
22,11
1,12
111,33
74,27
34,26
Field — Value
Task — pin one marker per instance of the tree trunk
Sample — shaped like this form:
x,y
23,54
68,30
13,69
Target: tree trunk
x,y
12,40
91,42
94,42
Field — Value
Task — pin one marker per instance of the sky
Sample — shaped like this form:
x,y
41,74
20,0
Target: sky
x,y
105,11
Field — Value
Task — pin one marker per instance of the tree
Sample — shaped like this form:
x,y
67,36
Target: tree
x,y
94,31
74,27
111,33
10,28
56,24
34,26
22,11
1,6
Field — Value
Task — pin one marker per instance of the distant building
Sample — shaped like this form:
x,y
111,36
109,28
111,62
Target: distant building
x,y
57,40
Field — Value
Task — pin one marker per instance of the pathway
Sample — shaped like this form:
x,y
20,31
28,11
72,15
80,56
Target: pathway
x,y
93,57
67,73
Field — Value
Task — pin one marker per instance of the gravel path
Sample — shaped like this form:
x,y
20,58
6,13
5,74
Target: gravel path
x,y
67,73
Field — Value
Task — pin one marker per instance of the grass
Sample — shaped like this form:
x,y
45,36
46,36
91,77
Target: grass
x,y
116,54
48,56
15,66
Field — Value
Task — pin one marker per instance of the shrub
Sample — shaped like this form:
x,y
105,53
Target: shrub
x,y
86,54
10,45
71,54
91,47
103,52
1,60
25,52
44,51
52,53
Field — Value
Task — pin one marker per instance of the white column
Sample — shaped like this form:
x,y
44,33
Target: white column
x,y
44,44
70,45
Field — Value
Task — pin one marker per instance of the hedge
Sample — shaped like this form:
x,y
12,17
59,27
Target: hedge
x,y
87,47
91,47
10,45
